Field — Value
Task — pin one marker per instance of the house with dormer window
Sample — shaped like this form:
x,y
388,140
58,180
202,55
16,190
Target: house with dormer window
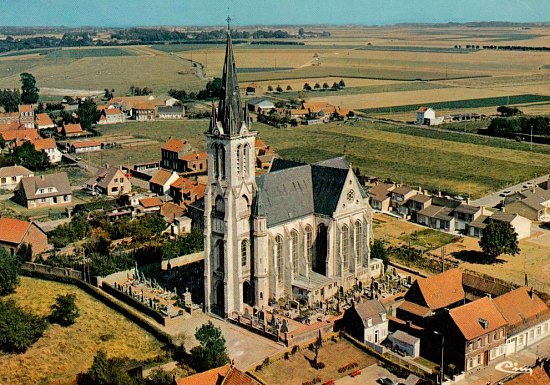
x,y
48,190
366,322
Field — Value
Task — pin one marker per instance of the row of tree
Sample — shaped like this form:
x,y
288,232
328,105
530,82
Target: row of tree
x,y
335,86
537,125
11,99
211,91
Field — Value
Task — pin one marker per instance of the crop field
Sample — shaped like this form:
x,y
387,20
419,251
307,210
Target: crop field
x,y
63,352
78,53
464,104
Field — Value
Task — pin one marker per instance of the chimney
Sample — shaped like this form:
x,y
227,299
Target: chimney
x,y
41,177
489,295
468,200
532,294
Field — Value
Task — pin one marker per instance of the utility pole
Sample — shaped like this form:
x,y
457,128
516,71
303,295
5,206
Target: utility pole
x,y
531,136
443,259
441,371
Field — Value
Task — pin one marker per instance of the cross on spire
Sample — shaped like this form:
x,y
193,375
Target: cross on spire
x,y
228,22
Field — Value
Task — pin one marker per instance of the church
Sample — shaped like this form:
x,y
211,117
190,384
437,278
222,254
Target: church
x,y
301,232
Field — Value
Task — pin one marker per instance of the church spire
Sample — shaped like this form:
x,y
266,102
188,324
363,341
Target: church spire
x,y
230,111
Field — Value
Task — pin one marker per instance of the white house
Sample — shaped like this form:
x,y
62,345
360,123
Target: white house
x,y
366,322
528,318
426,115
11,175
49,146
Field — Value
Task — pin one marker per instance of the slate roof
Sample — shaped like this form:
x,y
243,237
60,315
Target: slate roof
x,y
32,184
339,162
9,171
371,309
314,188
407,338
468,318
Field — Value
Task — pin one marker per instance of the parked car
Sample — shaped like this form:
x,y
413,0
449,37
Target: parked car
x,y
505,193
78,159
528,185
385,381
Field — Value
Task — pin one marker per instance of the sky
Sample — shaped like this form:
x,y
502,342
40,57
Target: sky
x,y
122,13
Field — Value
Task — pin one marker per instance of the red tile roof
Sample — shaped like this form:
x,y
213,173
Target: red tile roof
x,y
43,120
538,377
13,230
413,308
210,377
161,177
175,145
236,377
25,108
20,134
43,144
84,143
72,128
442,289
468,318
422,109
113,111
194,156
150,202
518,307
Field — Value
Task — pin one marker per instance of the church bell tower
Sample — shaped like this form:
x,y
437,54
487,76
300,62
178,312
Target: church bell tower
x,y
229,265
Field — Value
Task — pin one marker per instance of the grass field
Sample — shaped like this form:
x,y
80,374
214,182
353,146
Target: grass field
x,y
63,352
463,104
96,52
297,369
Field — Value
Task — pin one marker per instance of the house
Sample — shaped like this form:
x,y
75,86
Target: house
x,y
185,190
26,115
406,343
195,163
466,213
11,175
418,203
181,225
430,296
437,217
533,204
79,146
43,122
144,111
48,190
260,105
15,232
426,115
521,225
366,322
171,210
16,137
528,318
110,181
399,197
537,377
150,205
379,196
171,152
49,146
71,130
224,375
475,334
9,117
171,112
111,116
161,181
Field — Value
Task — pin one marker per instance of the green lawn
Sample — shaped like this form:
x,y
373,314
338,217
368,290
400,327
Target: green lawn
x,y
449,161
79,53
427,239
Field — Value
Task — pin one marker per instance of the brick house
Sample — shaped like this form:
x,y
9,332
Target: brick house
x,y
475,334
161,181
15,232
112,115
194,162
26,115
171,152
48,190
185,190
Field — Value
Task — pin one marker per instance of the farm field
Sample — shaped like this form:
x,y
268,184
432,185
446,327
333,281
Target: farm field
x,y
63,352
446,161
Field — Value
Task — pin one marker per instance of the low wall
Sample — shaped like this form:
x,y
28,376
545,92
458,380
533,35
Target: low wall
x,y
182,260
107,300
58,271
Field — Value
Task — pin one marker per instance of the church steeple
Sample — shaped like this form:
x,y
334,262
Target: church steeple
x,y
230,110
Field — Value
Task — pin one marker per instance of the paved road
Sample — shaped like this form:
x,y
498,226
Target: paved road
x,y
492,200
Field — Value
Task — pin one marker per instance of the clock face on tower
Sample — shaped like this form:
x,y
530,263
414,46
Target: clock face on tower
x,y
351,195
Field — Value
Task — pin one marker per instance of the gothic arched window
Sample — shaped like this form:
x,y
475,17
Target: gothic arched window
x,y
345,246
221,151
246,151
216,160
358,239
309,246
239,159
294,248
244,252
220,255
278,251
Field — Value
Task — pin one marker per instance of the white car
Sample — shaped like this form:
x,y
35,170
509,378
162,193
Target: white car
x,y
506,193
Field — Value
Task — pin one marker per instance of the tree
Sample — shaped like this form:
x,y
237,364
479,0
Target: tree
x,y
279,88
211,352
317,86
9,272
27,156
29,91
509,111
342,84
40,108
335,86
2,142
159,377
64,310
379,251
289,88
24,252
301,32
19,329
307,87
269,88
499,238
87,113
105,371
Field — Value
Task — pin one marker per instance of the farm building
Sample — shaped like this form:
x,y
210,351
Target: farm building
x,y
171,112
260,105
426,116
83,146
